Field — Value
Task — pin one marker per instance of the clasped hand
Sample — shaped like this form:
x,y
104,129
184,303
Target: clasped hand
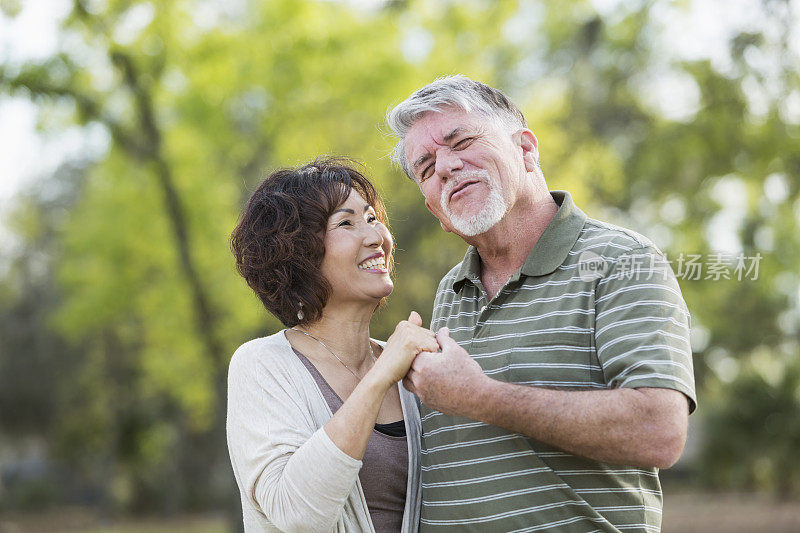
x,y
409,339
448,381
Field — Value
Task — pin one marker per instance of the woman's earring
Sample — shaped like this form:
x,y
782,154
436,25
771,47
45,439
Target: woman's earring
x,y
300,312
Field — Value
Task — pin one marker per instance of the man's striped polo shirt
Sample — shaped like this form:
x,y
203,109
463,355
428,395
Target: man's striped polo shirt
x,y
594,306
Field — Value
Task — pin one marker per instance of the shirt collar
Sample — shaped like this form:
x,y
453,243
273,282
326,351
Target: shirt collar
x,y
551,249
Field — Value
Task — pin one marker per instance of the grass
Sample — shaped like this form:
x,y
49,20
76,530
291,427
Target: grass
x,y
164,527
684,511
77,520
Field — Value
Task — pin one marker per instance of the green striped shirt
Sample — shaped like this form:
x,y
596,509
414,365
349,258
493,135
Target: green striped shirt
x,y
594,306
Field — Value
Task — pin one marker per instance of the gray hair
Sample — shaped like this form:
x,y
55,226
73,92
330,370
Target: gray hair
x,y
459,91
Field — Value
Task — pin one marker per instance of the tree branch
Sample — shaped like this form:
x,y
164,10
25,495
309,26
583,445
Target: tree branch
x,y
89,106
204,316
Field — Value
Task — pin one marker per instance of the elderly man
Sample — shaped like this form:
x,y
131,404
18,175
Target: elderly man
x,y
564,380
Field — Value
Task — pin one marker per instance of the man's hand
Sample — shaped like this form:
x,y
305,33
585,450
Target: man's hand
x,y
636,427
447,381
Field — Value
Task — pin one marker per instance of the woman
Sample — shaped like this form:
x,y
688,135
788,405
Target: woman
x,y
321,434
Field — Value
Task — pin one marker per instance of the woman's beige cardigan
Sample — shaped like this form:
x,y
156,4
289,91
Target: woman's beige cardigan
x,y
291,476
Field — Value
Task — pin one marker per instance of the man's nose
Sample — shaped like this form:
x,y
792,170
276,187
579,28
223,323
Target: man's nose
x,y
447,161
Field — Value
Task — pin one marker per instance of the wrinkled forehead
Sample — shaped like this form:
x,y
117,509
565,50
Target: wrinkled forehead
x,y
437,127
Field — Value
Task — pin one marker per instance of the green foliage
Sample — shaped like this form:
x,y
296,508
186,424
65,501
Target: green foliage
x,y
135,292
754,431
11,8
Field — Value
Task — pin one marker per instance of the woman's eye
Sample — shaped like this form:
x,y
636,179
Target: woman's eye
x,y
371,218
344,223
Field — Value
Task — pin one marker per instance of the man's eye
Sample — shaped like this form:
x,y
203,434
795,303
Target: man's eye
x,y
426,172
463,143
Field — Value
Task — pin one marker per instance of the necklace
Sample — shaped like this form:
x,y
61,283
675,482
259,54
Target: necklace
x,y
371,351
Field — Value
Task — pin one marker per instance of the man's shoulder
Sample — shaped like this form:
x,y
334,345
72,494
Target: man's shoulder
x,y
611,241
452,274
446,283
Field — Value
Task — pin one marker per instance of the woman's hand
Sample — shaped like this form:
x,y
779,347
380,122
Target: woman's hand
x,y
409,339
351,426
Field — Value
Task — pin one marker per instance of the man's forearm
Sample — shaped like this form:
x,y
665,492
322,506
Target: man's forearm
x,y
637,427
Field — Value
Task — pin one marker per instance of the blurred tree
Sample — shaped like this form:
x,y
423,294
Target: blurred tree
x,y
199,98
29,294
754,431
36,363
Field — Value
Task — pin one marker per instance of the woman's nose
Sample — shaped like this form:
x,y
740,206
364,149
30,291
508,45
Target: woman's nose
x,y
373,237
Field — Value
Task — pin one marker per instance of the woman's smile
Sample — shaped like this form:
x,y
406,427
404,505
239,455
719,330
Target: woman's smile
x,y
374,263
355,236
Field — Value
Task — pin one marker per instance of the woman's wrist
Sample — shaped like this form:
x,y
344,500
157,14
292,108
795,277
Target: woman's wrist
x,y
377,380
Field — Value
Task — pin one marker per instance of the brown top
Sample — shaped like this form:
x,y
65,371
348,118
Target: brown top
x,y
384,470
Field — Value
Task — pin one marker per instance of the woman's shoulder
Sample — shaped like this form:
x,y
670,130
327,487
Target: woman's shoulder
x,y
266,352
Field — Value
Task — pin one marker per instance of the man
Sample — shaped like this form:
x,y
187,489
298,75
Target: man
x,y
564,380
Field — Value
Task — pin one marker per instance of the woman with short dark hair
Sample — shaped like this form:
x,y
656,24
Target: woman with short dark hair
x,y
321,433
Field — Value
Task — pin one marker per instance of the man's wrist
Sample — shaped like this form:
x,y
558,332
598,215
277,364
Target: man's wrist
x,y
479,398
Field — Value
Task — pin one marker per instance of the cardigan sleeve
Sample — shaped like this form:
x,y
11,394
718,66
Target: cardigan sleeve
x,y
286,468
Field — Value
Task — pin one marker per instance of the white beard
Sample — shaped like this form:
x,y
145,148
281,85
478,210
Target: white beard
x,y
492,212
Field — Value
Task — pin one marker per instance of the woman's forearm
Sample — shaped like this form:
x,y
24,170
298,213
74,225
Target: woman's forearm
x,y
351,426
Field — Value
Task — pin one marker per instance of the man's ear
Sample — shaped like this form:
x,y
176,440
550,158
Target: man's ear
x,y
529,145
444,226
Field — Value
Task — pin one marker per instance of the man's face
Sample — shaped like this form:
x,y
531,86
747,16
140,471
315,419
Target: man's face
x,y
467,167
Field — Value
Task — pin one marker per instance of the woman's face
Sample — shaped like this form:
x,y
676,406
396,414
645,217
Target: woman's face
x,y
357,252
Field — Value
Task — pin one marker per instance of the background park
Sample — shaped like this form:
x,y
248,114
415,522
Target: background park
x,y
131,132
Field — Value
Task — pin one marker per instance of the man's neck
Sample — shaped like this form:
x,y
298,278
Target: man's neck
x,y
504,248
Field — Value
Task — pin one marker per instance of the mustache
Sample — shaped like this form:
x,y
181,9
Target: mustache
x,y
459,179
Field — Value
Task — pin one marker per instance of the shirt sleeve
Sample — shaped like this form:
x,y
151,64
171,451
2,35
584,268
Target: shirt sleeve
x,y
287,469
642,325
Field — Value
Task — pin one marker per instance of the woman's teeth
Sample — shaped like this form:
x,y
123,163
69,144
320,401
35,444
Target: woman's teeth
x,y
378,263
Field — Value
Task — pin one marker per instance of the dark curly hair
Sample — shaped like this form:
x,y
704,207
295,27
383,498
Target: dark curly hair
x,y
278,242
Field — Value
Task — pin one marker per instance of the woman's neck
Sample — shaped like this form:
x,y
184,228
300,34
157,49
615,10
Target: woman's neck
x,y
346,334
